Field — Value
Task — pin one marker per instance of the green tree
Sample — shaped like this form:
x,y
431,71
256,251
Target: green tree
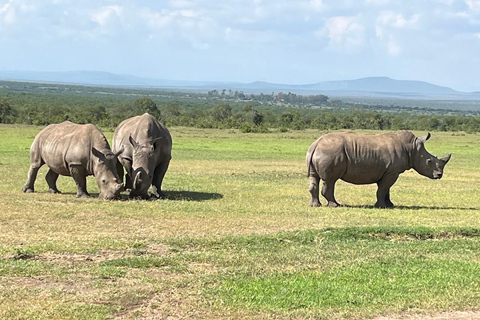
x,y
221,112
146,105
7,113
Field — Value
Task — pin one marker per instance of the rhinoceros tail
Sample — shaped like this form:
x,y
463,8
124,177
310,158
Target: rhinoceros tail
x,y
310,153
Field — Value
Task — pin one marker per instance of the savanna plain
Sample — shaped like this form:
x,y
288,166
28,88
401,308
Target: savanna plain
x,y
236,239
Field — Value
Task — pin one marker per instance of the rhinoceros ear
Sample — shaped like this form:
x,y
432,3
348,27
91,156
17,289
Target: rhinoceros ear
x,y
132,141
423,139
157,142
98,154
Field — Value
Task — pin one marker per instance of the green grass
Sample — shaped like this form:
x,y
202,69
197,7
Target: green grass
x,y
236,238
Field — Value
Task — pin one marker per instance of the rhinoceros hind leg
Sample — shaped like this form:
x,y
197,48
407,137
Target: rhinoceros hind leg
x,y
314,191
51,178
32,176
79,174
328,192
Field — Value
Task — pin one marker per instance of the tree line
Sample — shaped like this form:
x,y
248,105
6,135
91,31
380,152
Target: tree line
x,y
284,112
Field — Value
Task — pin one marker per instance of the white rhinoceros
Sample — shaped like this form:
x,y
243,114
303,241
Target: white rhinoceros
x,y
147,150
365,159
75,150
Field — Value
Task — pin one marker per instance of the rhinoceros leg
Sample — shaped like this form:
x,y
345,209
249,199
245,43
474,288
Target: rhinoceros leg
x,y
128,176
387,200
328,191
158,176
383,191
51,178
32,175
120,171
314,191
79,174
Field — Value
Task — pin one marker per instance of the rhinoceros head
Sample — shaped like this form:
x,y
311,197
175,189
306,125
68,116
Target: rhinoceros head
x,y
143,167
425,163
106,175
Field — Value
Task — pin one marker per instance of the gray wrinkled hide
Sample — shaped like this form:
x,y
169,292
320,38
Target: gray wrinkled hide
x,y
365,159
78,151
147,146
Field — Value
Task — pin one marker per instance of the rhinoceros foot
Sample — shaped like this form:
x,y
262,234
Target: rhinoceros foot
x,y
159,195
27,189
82,195
314,203
51,190
384,205
139,196
333,204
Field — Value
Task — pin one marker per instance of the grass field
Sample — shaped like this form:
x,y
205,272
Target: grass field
x,y
236,239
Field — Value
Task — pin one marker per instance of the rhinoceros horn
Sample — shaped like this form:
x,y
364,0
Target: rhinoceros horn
x,y
119,152
447,158
135,181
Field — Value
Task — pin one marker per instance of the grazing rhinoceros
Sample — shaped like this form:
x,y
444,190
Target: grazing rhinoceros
x,y
147,146
75,150
365,159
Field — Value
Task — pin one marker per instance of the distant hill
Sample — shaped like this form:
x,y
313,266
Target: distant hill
x,y
365,87
384,84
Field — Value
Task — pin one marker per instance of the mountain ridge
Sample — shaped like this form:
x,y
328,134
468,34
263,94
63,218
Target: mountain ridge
x,y
368,86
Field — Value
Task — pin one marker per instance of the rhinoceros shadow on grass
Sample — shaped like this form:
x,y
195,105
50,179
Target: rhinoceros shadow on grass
x,y
193,195
170,195
403,207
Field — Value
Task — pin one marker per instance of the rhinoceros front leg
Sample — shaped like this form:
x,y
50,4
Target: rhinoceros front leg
x,y
387,200
314,191
120,171
128,176
383,191
79,174
328,191
51,178
158,176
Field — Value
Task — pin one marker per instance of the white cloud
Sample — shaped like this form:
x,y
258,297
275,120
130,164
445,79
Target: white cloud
x,y
389,25
344,32
397,20
317,5
110,15
473,5
7,13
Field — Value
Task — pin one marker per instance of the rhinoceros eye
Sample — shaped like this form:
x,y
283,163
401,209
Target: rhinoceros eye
x,y
429,161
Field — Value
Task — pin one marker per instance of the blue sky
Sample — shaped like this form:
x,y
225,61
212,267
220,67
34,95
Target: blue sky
x,y
280,41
